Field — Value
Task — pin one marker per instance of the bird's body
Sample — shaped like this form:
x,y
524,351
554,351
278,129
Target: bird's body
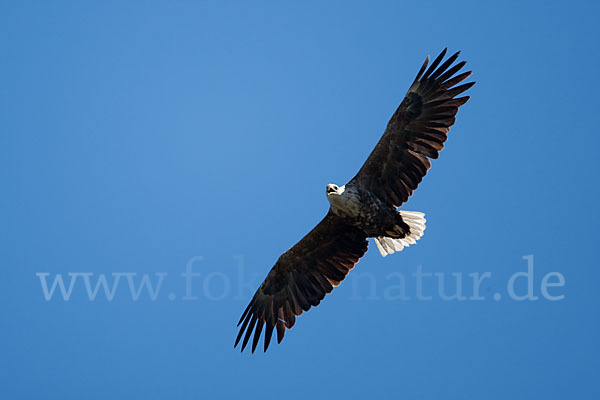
x,y
359,207
366,207
363,209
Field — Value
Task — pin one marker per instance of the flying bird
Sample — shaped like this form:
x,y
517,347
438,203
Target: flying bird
x,y
365,207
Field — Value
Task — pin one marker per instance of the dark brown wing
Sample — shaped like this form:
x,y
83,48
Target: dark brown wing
x,y
416,132
302,276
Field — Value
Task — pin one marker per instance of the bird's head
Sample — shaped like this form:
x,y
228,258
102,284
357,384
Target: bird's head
x,y
334,190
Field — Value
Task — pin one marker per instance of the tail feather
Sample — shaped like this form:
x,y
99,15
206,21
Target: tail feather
x,y
416,222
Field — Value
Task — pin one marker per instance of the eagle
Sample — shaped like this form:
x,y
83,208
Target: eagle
x,y
365,207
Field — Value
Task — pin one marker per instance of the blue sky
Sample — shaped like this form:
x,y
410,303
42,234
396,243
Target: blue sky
x,y
142,137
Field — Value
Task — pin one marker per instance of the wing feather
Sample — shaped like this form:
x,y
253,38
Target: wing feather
x,y
301,278
416,132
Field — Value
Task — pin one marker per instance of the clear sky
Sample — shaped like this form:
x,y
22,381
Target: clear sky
x,y
151,138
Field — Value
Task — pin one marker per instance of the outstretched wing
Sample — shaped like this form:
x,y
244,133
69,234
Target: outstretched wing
x,y
302,276
416,132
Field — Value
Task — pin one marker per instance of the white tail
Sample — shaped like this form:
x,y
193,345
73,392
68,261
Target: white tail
x,y
416,221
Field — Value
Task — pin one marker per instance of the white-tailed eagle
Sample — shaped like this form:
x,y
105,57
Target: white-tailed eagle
x,y
363,208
